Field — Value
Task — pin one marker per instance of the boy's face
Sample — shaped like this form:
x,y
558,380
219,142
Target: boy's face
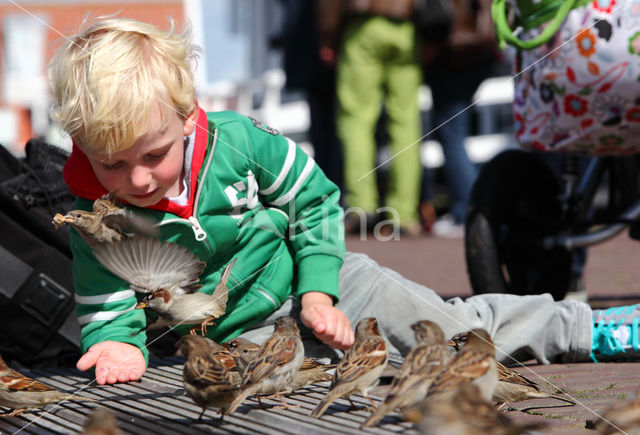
x,y
152,168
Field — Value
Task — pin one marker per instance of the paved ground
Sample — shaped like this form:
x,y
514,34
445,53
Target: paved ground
x,y
612,277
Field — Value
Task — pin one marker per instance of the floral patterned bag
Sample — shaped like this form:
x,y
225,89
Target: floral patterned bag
x,y
577,83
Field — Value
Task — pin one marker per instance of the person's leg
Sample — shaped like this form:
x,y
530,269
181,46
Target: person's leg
x,y
359,93
402,79
452,117
522,327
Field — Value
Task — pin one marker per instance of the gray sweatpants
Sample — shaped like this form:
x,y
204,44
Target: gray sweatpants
x,y
522,327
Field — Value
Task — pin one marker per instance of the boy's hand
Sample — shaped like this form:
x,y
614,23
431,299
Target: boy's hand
x,y
328,323
114,361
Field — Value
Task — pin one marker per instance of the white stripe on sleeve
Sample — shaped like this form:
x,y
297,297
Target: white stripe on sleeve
x,y
294,190
105,298
102,315
288,162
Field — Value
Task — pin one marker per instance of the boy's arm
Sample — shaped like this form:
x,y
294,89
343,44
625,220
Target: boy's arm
x,y
291,181
104,302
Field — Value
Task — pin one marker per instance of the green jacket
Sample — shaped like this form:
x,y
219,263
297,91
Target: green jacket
x,y
255,196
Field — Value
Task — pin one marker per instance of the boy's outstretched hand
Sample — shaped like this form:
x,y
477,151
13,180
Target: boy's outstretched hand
x,y
114,361
328,323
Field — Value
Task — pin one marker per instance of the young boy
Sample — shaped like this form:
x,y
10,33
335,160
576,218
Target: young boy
x,y
226,186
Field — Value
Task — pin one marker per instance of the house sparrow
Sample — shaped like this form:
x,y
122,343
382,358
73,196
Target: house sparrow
x,y
206,379
512,386
168,273
360,367
620,418
476,363
310,372
102,421
107,223
466,413
420,367
20,393
274,368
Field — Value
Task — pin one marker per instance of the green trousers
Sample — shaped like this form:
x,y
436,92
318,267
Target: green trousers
x,y
379,65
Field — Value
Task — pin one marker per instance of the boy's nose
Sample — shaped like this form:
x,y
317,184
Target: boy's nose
x,y
140,176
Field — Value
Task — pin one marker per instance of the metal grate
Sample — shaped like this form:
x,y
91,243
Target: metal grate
x,y
159,404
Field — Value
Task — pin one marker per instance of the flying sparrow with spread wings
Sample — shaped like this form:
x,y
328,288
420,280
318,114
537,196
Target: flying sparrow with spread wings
x,y
420,367
168,273
360,367
206,379
107,223
274,368
20,392
512,386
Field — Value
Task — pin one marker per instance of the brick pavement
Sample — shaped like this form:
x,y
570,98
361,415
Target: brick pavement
x,y
611,277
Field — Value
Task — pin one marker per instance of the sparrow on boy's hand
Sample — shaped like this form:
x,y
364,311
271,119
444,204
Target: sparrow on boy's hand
x,y
107,223
512,386
275,366
168,273
20,392
206,379
476,363
101,421
420,367
360,367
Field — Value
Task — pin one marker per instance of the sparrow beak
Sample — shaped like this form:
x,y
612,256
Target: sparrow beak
x,y
141,305
451,343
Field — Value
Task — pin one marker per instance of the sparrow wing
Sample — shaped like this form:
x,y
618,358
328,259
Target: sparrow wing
x,y
207,370
150,264
15,381
221,292
362,357
505,374
423,361
466,367
274,352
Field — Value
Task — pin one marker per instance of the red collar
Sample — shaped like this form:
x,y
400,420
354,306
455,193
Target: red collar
x,y
82,182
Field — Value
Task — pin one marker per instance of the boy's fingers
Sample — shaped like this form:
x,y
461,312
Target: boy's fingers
x,y
87,360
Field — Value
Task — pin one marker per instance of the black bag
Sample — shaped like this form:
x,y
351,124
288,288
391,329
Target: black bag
x,y
433,19
38,324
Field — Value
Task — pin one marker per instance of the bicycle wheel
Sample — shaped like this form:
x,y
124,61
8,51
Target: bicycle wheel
x,y
513,206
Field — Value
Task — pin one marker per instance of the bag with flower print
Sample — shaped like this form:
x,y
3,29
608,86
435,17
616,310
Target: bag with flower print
x,y
577,74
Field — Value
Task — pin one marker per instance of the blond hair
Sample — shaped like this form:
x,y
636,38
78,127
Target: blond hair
x,y
108,80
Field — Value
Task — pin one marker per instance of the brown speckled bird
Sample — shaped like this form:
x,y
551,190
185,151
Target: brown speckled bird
x,y
420,367
168,273
275,366
512,386
206,379
20,392
360,367
476,363
465,413
102,421
623,417
311,371
107,223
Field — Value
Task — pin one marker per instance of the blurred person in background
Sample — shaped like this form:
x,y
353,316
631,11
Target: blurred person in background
x,y
454,68
377,55
306,70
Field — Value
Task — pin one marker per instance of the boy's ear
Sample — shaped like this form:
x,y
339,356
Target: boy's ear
x,y
190,122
